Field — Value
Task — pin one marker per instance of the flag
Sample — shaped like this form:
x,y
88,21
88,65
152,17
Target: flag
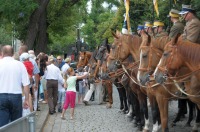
x,y
174,1
126,25
125,28
156,7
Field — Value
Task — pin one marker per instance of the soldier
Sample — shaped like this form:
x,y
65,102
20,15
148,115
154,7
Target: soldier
x,y
148,28
192,28
159,29
178,26
140,28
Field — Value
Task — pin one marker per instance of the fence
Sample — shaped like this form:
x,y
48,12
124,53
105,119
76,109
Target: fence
x,y
24,124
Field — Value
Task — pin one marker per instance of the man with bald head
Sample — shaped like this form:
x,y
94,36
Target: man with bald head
x,y
13,75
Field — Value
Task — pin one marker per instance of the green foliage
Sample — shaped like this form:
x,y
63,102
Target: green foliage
x,y
5,37
17,12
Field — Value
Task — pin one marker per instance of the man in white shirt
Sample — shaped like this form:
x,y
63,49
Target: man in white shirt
x,y
13,75
52,75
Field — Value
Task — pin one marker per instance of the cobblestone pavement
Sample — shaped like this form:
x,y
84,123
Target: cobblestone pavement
x,y
97,118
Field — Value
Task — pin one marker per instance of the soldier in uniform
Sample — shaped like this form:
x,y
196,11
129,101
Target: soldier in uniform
x,y
159,29
148,28
140,28
178,26
192,28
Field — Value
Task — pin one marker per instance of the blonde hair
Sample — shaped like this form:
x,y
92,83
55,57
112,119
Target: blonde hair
x,y
70,70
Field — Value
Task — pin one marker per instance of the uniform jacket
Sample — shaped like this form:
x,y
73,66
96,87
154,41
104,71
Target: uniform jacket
x,y
192,31
177,28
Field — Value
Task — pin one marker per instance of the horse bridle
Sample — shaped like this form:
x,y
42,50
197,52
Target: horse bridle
x,y
85,61
158,53
165,69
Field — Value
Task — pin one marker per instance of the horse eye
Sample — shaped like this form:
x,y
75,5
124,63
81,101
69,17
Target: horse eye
x,y
144,56
165,54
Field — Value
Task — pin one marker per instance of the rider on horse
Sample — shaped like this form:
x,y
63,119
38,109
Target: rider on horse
x,y
192,28
159,29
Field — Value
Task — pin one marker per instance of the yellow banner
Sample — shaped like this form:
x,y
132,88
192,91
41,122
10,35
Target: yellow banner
x,y
156,7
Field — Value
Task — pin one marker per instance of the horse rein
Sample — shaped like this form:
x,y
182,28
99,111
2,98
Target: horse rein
x,y
178,79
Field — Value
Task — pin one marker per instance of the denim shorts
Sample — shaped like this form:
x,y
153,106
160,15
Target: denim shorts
x,y
81,88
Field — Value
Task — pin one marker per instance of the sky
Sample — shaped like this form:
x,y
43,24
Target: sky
x,y
89,6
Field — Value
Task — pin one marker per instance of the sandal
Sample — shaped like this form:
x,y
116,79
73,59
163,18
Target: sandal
x,y
62,117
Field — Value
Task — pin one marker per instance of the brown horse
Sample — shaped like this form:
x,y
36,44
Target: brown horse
x,y
178,54
122,47
150,54
84,58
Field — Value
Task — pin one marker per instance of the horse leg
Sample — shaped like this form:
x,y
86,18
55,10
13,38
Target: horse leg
x,y
191,109
110,91
136,108
182,110
163,107
197,122
120,98
155,112
124,100
144,111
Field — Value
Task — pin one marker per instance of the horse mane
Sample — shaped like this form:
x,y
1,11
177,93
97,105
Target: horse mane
x,y
93,57
189,50
128,38
160,42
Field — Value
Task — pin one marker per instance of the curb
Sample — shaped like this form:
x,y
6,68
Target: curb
x,y
42,117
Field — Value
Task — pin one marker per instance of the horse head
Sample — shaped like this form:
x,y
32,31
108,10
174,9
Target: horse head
x,y
83,59
170,62
149,58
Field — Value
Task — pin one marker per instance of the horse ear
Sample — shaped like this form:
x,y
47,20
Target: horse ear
x,y
149,40
115,35
174,41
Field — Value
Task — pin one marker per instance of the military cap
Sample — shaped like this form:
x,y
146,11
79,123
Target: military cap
x,y
174,13
148,24
186,9
140,27
158,23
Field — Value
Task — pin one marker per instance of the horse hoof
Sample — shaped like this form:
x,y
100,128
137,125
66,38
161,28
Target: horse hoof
x,y
145,130
173,124
187,125
108,106
194,131
140,128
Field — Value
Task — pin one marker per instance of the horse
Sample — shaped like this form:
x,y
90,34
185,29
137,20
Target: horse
x,y
84,58
179,53
150,54
100,62
122,47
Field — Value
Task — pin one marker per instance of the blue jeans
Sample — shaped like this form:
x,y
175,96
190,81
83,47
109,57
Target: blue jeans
x,y
10,107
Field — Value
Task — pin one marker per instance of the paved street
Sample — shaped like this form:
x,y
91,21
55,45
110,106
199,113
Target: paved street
x,y
96,118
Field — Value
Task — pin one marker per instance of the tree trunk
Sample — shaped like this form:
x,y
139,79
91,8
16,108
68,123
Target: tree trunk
x,y
33,23
42,39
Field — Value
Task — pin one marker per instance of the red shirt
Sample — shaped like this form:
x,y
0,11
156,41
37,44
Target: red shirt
x,y
29,67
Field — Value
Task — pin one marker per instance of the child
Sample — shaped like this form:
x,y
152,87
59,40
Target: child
x,y
70,97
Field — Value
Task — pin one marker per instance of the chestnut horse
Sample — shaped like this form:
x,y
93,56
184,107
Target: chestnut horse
x,y
178,54
150,54
122,47
84,58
